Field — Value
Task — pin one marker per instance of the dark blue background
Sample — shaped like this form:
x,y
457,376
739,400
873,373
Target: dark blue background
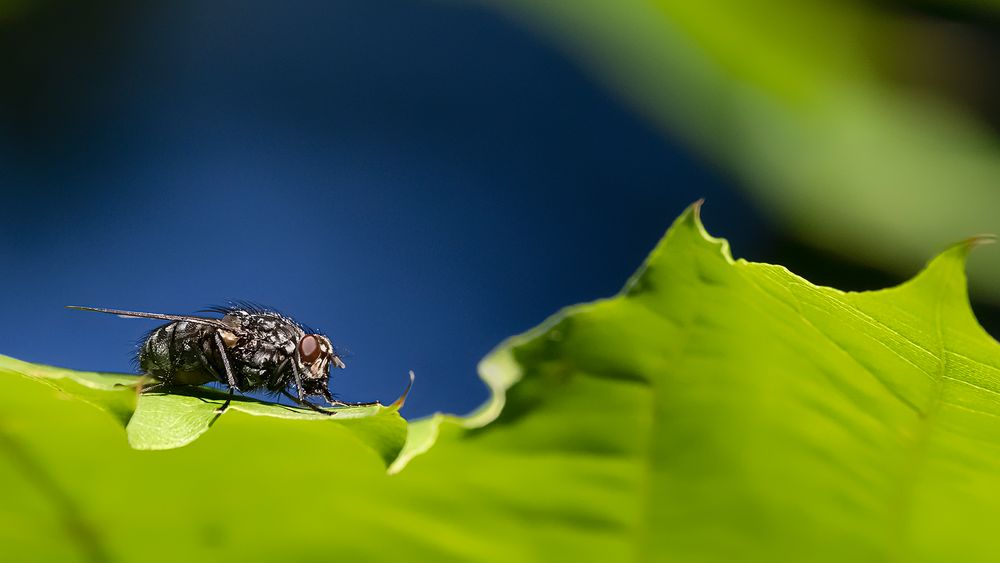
x,y
418,179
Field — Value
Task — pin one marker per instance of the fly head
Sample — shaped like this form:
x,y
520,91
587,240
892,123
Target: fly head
x,y
316,355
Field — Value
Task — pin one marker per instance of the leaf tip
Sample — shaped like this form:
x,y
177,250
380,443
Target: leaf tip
x,y
979,240
948,270
398,403
692,215
954,257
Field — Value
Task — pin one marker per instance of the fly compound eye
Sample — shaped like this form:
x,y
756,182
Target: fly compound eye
x,y
309,349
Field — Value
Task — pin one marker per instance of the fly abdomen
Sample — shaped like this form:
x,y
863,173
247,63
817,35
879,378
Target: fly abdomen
x,y
179,354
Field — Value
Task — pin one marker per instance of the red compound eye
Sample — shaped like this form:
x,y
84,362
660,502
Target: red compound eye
x,y
309,349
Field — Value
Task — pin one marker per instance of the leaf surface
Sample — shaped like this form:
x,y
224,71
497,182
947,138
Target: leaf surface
x,y
160,421
715,410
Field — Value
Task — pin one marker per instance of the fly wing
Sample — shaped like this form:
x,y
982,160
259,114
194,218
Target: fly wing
x,y
217,323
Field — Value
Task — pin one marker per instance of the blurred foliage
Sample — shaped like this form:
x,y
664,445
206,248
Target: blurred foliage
x,y
715,410
12,8
869,128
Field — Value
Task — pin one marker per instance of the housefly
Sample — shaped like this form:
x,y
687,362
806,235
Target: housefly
x,y
248,348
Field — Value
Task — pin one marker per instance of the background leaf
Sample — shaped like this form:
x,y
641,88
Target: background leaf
x,y
849,122
715,410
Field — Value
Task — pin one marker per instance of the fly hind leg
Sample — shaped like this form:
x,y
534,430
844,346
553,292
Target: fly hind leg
x,y
225,405
230,377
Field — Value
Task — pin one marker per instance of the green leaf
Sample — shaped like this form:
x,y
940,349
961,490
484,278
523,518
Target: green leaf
x,y
715,410
803,103
160,421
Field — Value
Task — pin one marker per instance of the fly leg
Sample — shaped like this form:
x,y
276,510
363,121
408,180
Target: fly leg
x,y
230,378
338,403
301,399
147,384
298,380
229,399
151,388
306,403
225,405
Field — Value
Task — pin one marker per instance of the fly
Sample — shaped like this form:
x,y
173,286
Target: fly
x,y
249,348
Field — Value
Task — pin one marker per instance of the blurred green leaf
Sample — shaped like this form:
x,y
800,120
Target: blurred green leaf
x,y
715,410
803,100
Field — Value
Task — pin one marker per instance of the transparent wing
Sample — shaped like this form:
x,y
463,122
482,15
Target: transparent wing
x,y
217,323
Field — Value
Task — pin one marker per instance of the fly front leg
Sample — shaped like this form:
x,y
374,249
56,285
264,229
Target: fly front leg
x,y
306,403
338,403
298,380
